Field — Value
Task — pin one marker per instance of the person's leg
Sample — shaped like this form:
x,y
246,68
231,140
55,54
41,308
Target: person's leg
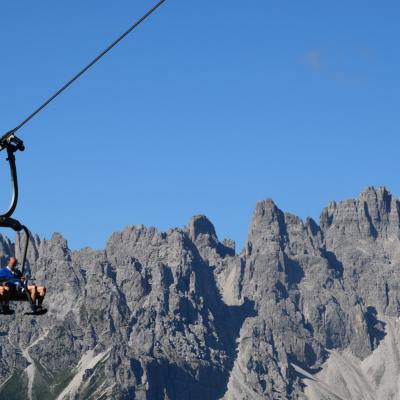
x,y
41,293
5,307
4,300
33,292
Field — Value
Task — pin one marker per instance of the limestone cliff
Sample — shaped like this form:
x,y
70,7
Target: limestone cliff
x,y
179,315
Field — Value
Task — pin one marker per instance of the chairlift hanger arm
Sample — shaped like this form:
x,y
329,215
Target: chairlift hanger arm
x,y
12,143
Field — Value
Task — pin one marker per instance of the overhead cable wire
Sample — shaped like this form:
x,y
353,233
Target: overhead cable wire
x,y
80,73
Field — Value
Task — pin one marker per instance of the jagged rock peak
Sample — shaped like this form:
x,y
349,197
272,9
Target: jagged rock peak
x,y
264,209
375,213
377,199
5,245
56,247
132,234
200,225
381,192
58,239
265,213
6,248
268,222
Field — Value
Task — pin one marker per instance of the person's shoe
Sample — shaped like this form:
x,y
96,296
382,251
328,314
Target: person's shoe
x,y
40,310
7,310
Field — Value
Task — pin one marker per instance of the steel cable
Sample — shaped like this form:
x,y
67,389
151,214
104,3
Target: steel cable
x,y
80,73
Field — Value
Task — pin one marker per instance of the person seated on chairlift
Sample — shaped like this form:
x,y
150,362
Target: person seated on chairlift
x,y
11,275
13,278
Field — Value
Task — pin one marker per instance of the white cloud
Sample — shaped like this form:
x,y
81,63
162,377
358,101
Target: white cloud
x,y
313,60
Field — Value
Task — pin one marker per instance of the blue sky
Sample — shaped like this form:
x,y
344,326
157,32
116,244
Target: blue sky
x,y
207,108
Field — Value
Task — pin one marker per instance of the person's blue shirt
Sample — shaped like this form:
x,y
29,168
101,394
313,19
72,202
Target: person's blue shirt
x,y
6,275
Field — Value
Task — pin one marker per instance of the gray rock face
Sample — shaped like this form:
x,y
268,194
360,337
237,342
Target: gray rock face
x,y
179,315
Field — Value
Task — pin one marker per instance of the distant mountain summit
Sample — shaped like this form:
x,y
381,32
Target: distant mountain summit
x,y
306,311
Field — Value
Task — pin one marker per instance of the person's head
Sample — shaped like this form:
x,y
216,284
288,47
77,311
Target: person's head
x,y
12,263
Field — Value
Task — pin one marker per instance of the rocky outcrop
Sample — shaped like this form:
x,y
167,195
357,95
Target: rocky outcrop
x,y
178,314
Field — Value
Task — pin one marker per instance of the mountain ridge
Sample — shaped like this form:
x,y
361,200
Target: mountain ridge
x,y
178,313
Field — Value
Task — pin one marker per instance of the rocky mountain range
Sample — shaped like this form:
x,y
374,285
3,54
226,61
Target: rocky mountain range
x,y
306,310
